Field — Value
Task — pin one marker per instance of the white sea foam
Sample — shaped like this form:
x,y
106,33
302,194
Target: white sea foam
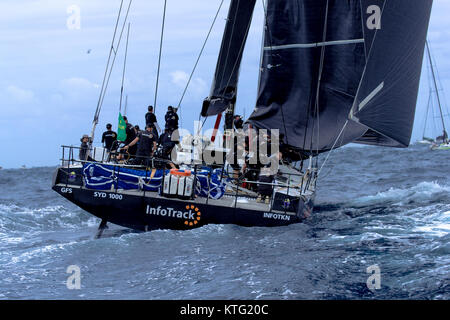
x,y
49,249
13,217
421,192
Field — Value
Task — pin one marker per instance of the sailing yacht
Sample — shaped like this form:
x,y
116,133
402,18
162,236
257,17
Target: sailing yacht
x,y
332,73
441,142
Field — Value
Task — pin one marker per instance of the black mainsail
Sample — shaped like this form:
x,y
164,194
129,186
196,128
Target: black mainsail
x,y
224,88
313,61
324,59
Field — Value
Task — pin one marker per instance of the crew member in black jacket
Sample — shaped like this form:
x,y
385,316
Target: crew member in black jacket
x,y
131,135
171,119
147,146
109,137
150,119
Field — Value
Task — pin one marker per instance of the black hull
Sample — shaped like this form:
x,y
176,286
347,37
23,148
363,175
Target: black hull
x,y
149,211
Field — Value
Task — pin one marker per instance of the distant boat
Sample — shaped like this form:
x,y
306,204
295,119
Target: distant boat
x,y
441,142
23,167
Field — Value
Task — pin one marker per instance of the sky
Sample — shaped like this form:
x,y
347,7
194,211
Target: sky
x,y
52,66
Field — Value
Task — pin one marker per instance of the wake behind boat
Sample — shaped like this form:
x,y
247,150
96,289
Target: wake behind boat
x,y
332,73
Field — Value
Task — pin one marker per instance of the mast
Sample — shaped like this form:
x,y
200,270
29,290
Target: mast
x,y
125,110
109,66
124,70
435,86
160,54
426,115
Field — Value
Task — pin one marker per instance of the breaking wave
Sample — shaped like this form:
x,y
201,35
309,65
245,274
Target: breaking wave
x,y
423,193
23,219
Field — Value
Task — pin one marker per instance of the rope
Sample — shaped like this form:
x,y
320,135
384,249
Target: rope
x,y
229,46
97,111
334,145
319,81
228,53
272,55
199,56
115,56
160,53
241,49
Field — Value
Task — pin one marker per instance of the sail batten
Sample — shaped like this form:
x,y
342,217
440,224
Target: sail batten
x,y
314,45
371,96
311,79
313,60
395,60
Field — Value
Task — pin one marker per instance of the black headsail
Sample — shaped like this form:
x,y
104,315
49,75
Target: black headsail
x,y
321,56
386,100
224,88
313,60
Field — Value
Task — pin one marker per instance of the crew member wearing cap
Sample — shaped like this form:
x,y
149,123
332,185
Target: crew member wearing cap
x,y
147,146
84,148
109,137
150,119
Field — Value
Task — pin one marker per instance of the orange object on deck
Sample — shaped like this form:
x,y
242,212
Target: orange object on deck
x,y
177,172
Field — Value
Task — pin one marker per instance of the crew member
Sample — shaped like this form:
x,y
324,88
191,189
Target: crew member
x,y
443,138
167,142
150,119
238,122
171,119
109,137
131,136
137,129
84,148
147,146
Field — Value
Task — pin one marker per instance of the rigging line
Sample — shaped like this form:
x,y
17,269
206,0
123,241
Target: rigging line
x,y
107,65
325,175
426,115
229,46
261,59
308,110
267,24
115,56
334,145
241,49
435,84
124,69
160,53
239,54
200,55
267,27
319,81
439,81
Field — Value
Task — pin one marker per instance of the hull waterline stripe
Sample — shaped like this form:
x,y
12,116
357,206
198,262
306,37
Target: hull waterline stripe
x,y
313,45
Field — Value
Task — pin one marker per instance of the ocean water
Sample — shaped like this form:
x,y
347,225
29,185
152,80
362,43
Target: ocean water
x,y
375,206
